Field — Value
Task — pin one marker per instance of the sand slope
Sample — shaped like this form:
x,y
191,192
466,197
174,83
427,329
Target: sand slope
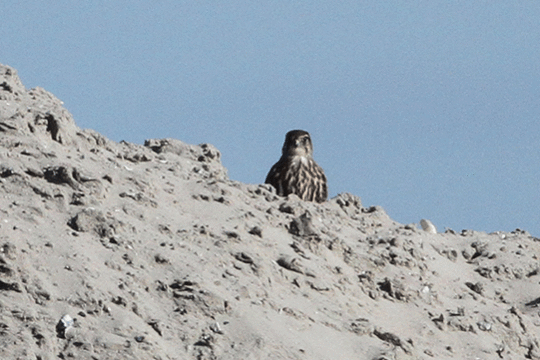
x,y
152,252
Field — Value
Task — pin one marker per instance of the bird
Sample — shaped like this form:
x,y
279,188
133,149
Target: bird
x,y
296,172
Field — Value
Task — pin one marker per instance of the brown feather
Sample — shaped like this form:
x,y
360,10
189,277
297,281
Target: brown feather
x,y
296,172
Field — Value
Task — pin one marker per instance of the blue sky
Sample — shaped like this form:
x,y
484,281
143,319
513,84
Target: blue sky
x,y
427,108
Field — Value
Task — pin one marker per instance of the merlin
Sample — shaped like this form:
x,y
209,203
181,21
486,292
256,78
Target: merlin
x,y
296,172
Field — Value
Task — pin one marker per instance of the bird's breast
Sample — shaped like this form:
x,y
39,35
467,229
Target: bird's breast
x,y
298,161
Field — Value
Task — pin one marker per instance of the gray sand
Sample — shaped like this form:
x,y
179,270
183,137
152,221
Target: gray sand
x,y
152,252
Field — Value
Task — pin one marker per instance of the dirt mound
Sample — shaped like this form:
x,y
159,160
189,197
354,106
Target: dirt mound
x,y
121,251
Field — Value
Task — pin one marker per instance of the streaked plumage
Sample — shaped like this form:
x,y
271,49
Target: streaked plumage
x,y
296,172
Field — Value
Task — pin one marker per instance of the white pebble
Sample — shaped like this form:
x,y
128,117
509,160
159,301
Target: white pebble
x,y
428,226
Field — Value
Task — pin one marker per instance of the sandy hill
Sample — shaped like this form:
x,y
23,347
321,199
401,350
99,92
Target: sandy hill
x,y
121,251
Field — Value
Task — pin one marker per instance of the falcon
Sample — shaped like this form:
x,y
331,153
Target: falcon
x,y
296,172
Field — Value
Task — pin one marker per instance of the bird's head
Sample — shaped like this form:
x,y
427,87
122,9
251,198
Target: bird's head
x,y
297,143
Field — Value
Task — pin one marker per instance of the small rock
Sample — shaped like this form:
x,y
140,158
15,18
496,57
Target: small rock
x,y
477,287
139,339
305,225
65,323
205,340
362,326
156,326
216,328
484,325
290,263
243,257
257,231
160,259
428,226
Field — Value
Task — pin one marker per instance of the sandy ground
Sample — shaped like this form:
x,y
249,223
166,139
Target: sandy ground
x,y
121,251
